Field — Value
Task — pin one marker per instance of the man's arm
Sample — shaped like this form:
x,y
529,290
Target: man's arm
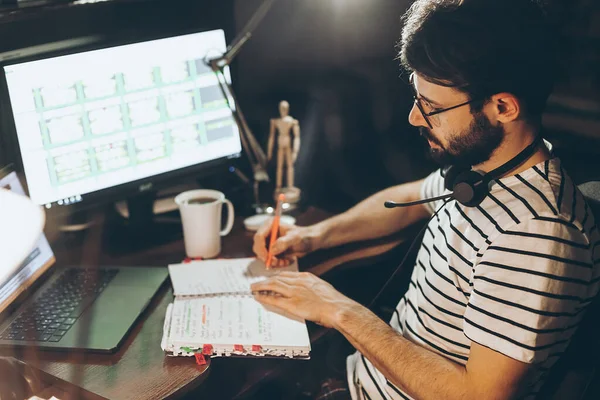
x,y
416,370
369,219
424,374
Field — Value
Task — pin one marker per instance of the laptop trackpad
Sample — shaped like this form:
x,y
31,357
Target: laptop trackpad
x,y
102,326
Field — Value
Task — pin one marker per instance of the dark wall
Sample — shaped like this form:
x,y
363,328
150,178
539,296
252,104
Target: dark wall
x,y
572,117
334,61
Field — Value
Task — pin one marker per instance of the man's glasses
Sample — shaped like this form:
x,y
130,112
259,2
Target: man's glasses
x,y
430,116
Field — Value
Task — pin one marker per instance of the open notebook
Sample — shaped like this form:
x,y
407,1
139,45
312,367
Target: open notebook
x,y
215,313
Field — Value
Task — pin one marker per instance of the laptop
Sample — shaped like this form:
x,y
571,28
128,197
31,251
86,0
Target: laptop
x,y
54,308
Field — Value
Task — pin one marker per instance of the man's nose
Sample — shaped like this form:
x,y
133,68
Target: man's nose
x,y
415,118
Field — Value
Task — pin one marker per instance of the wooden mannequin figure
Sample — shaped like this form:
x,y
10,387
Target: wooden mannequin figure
x,y
287,151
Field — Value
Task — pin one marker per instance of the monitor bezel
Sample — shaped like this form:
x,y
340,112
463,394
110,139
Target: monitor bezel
x,y
115,193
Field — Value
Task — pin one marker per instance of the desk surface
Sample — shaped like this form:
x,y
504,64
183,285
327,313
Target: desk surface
x,y
140,369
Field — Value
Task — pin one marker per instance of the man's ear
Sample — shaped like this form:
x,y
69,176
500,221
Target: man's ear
x,y
506,107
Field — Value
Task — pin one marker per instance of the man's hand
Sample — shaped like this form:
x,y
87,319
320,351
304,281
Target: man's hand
x,y
294,241
303,295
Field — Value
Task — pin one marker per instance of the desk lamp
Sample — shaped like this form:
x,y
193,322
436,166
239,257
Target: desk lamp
x,y
255,154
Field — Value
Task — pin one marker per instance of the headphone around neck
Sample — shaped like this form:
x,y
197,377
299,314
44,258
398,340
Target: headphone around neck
x,y
469,187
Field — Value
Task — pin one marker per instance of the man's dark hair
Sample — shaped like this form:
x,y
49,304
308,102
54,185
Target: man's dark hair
x,y
482,47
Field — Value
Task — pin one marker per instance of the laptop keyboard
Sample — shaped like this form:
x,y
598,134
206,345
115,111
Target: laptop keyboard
x,y
53,313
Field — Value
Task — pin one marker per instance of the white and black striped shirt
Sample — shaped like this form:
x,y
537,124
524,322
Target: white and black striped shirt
x,y
513,274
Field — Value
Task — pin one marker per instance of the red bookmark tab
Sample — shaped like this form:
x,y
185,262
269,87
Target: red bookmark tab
x,y
188,260
200,360
256,348
207,349
238,347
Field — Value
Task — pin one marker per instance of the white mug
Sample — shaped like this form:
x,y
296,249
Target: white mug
x,y
201,218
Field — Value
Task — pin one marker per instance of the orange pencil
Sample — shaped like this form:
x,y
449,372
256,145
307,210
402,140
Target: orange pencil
x,y
275,228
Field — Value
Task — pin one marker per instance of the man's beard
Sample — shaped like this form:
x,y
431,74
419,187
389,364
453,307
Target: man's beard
x,y
471,147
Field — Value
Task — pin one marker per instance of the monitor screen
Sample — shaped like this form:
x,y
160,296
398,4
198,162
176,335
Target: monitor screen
x,y
97,119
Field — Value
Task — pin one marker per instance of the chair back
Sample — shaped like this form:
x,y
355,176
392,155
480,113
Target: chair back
x,y
577,374
591,192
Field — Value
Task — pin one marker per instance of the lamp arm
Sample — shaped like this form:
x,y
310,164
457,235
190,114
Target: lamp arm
x,y
254,151
256,155
245,34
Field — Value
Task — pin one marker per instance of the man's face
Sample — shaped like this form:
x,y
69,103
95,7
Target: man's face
x,y
458,136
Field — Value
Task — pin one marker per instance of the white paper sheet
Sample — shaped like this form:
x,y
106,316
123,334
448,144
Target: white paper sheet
x,y
226,276
229,320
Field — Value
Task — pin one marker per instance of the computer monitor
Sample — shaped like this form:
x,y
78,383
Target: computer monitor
x,y
112,122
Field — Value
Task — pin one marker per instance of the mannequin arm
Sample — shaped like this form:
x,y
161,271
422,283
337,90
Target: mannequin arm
x,y
296,140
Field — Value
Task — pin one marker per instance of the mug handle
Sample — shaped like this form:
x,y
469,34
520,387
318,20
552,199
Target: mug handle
x,y
230,218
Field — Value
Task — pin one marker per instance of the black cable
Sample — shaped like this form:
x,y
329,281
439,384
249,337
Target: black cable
x,y
408,252
338,345
392,204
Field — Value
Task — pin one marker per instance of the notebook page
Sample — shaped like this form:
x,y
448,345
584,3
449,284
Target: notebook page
x,y
223,276
229,320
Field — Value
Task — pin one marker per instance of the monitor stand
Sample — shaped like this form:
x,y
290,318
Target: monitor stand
x,y
142,229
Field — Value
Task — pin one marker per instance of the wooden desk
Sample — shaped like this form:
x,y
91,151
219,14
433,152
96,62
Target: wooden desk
x,y
140,369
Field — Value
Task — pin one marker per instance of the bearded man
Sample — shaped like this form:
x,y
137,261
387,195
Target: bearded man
x,y
501,281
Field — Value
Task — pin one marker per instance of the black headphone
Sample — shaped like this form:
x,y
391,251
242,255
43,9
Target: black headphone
x,y
470,187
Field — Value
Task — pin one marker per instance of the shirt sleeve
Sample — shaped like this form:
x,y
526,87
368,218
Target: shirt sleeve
x,y
530,289
433,186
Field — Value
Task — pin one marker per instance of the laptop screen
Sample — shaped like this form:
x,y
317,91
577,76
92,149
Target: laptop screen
x,y
13,283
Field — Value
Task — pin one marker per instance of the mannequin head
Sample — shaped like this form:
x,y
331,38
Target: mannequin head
x,y
284,109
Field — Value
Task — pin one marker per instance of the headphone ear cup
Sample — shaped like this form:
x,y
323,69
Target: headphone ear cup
x,y
450,175
469,188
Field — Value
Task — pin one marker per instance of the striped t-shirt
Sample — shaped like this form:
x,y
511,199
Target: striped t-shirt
x,y
513,274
